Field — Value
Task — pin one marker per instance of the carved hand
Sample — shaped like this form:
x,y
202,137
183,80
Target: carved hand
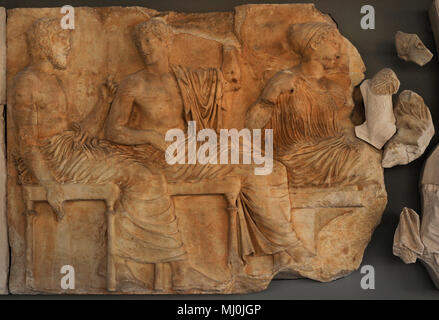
x,y
55,197
282,82
108,90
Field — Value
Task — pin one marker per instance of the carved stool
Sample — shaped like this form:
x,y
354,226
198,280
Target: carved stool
x,y
109,193
230,188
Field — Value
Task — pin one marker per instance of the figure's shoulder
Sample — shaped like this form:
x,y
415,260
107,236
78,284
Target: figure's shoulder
x,y
136,78
26,85
297,78
287,74
291,76
26,78
293,73
133,82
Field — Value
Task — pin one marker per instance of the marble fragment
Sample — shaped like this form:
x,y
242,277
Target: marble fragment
x,y
415,130
90,184
407,243
410,48
415,239
377,93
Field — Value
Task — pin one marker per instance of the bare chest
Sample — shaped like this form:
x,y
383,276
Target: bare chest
x,y
160,101
50,97
52,111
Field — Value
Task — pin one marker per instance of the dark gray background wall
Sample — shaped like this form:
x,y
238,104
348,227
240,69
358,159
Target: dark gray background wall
x,y
394,279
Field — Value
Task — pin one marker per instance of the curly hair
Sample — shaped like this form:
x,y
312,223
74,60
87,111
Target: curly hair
x,y
39,35
385,82
302,36
156,26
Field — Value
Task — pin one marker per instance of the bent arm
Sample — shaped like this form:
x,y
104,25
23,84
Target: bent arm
x,y
95,120
117,129
258,115
25,116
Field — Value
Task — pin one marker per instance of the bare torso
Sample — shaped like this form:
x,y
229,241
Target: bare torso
x,y
157,103
48,100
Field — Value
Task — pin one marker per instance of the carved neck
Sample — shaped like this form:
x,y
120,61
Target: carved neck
x,y
159,67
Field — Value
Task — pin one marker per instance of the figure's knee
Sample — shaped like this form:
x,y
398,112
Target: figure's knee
x,y
277,176
147,183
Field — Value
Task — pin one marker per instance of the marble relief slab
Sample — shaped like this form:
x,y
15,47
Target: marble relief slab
x,y
97,187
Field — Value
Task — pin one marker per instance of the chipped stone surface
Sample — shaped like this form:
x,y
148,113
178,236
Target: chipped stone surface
x,y
97,193
410,48
415,239
415,130
407,243
4,246
430,195
377,93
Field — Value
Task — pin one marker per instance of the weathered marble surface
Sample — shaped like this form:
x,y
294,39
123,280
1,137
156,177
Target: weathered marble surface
x,y
411,49
377,93
407,243
415,130
415,239
325,196
4,246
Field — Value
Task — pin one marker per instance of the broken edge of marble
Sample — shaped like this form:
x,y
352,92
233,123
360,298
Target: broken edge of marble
x,y
377,93
415,130
415,239
434,21
430,203
408,244
4,246
410,48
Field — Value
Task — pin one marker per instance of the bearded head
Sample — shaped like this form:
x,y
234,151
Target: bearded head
x,y
48,41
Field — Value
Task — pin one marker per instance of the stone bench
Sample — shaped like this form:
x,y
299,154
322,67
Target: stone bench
x,y
109,193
